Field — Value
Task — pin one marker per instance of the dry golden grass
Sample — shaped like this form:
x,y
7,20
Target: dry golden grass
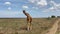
x,y
18,25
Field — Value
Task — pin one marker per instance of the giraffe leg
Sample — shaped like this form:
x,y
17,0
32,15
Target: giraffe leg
x,y
28,27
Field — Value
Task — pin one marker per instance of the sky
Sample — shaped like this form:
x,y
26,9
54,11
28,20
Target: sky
x,y
36,8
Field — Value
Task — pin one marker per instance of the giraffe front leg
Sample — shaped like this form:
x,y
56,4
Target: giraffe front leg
x,y
28,26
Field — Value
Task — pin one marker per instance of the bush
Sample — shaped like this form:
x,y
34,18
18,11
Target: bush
x,y
53,16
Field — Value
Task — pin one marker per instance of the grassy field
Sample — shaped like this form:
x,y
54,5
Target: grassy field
x,y
18,25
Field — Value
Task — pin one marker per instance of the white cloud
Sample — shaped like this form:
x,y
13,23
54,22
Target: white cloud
x,y
51,8
33,1
54,4
42,2
34,7
9,8
7,3
39,2
55,7
24,6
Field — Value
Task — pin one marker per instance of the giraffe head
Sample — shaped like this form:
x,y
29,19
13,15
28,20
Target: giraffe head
x,y
23,11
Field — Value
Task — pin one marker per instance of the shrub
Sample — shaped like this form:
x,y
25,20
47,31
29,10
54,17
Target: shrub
x,y
53,16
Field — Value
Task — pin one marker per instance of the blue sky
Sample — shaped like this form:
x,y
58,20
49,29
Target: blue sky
x,y
36,8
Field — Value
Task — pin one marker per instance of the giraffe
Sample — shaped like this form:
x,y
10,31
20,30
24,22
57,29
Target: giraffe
x,y
29,20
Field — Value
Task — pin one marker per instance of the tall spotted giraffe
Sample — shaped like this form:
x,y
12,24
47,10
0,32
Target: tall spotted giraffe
x,y
29,20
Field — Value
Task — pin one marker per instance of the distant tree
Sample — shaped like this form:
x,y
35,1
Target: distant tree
x,y
58,16
53,16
